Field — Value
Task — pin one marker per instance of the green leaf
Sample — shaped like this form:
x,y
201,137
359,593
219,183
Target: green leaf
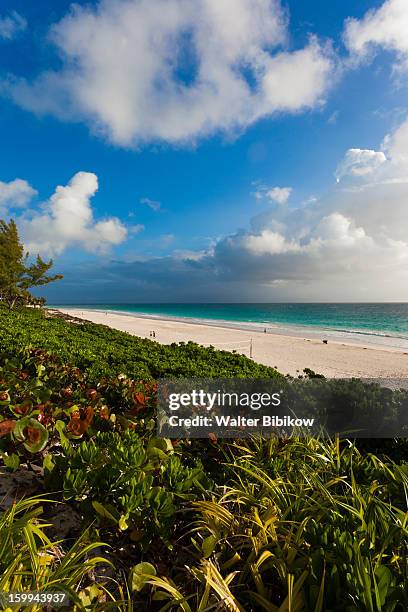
x,y
140,574
89,595
159,447
384,580
11,462
208,546
103,511
18,431
122,523
32,433
60,428
48,463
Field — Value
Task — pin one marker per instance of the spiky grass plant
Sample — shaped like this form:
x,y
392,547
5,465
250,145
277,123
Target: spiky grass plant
x,y
303,525
30,561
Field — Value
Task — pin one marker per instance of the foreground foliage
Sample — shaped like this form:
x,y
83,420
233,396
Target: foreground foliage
x,y
30,561
255,524
290,525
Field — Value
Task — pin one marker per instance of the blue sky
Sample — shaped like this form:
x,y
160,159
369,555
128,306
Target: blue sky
x,y
184,207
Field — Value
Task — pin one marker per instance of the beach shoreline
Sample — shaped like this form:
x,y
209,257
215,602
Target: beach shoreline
x,y
289,353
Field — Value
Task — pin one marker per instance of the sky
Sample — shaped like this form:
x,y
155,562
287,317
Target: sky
x,y
208,150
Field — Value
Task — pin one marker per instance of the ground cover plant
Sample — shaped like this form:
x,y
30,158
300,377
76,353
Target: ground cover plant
x,y
100,351
255,524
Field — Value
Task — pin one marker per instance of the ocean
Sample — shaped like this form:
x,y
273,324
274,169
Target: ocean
x,y
383,324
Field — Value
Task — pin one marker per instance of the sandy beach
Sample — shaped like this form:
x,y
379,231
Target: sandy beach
x,y
289,354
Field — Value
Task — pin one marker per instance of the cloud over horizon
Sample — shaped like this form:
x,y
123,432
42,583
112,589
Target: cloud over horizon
x,y
351,235
175,72
341,245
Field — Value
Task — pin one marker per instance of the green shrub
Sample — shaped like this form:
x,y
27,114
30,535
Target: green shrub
x,y
100,351
131,482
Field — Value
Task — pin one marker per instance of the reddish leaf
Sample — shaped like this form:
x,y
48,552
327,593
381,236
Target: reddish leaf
x,y
81,421
44,418
6,427
140,398
32,434
22,409
104,413
92,394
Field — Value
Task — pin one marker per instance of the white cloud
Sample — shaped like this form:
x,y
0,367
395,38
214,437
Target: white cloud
x,y
294,81
15,194
136,229
279,194
338,231
335,231
176,70
359,162
349,244
67,220
153,204
385,27
187,255
269,243
396,143
11,25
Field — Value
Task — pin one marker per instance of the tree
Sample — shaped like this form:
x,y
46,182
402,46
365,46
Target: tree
x,y
17,275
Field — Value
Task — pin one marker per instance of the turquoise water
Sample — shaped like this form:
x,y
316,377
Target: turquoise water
x,y
380,320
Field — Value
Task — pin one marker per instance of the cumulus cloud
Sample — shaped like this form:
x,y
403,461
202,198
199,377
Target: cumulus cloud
x,y
349,244
332,231
396,143
15,194
11,25
176,70
269,243
353,237
279,194
359,162
384,27
66,219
